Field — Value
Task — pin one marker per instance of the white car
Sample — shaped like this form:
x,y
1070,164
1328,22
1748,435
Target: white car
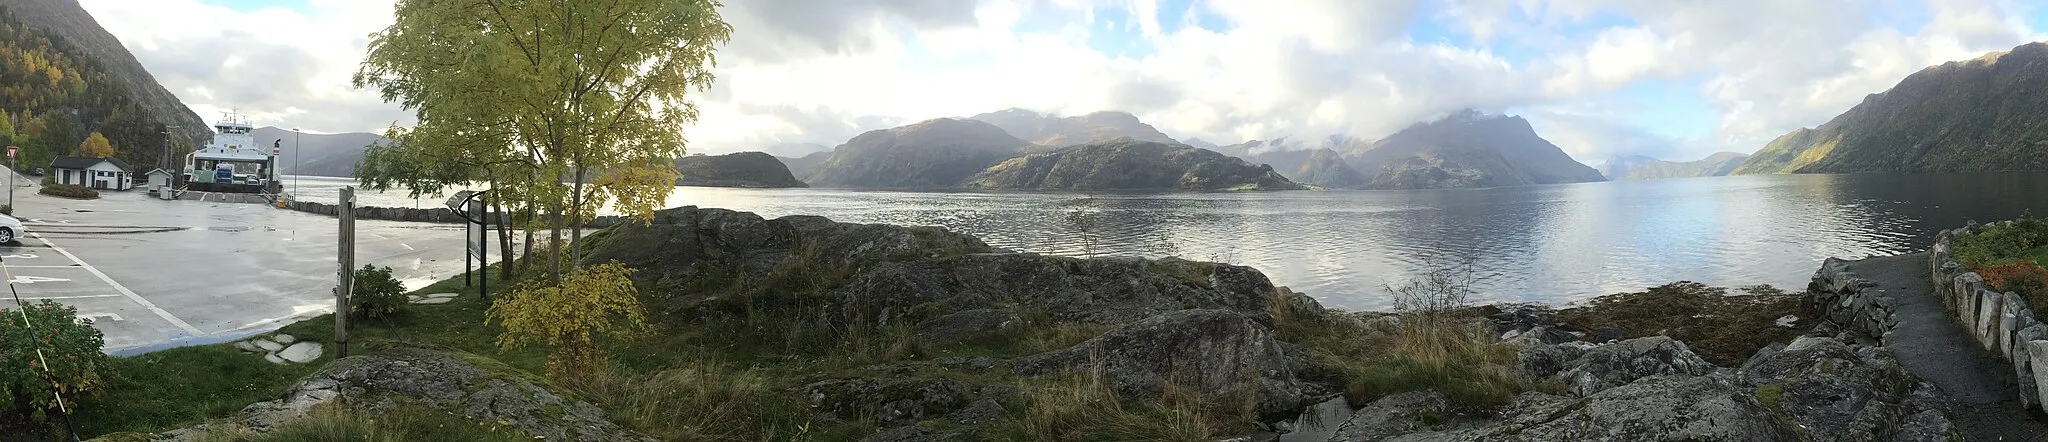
x,y
11,230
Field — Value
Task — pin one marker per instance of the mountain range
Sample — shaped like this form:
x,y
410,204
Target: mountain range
x,y
332,155
1638,167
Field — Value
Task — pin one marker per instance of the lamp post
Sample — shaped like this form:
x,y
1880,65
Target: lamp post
x,y
295,161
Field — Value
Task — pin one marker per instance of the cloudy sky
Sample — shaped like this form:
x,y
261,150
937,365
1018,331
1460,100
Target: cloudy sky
x,y
1672,79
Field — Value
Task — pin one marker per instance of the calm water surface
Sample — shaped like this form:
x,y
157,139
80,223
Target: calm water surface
x,y
1553,244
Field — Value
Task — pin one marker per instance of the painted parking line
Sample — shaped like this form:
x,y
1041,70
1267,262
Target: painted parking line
x,y
39,298
180,323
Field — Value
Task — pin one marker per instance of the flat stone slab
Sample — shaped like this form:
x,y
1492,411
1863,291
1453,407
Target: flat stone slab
x,y
274,359
249,347
267,345
302,352
282,338
433,300
441,295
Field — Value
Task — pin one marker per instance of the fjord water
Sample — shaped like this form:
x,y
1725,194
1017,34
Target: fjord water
x,y
1553,244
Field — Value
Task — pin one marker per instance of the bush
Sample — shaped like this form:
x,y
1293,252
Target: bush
x,y
69,191
2028,279
376,294
71,347
2001,244
590,302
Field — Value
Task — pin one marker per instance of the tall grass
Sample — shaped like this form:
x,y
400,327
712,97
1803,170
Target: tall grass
x,y
1084,406
703,401
335,422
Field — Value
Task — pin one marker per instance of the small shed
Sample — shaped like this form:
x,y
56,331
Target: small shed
x,y
160,179
97,173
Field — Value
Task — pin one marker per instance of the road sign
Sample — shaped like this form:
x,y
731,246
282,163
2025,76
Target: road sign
x,y
10,152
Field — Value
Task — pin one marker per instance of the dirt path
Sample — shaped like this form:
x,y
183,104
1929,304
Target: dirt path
x,y
1931,344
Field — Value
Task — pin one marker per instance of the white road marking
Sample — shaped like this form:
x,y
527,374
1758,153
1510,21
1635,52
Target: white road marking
x,y
123,289
407,246
109,316
21,256
27,279
43,267
35,298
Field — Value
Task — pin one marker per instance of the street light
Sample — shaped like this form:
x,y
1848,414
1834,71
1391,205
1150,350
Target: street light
x,y
295,161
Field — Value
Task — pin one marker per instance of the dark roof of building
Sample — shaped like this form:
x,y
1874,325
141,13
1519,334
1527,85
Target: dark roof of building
x,y
84,163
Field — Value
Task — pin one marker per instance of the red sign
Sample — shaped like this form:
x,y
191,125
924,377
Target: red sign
x,y
274,151
10,152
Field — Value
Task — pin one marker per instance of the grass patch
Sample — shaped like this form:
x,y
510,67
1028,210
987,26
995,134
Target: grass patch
x,y
1722,328
1459,358
333,422
178,387
1082,406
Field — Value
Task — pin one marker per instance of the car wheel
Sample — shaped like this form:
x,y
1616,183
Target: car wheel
x,y
6,235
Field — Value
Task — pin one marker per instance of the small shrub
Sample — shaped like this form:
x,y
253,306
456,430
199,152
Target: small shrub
x,y
71,347
1085,406
376,294
69,191
1441,291
2027,279
335,422
590,303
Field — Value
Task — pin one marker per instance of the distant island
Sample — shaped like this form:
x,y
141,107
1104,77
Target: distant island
x,y
739,169
1130,164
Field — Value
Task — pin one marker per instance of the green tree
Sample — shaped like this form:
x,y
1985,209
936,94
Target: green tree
x,y
95,146
574,104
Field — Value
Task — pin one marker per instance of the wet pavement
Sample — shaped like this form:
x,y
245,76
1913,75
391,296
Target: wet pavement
x,y
155,274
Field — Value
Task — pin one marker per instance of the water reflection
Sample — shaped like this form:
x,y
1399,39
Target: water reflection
x,y
1551,244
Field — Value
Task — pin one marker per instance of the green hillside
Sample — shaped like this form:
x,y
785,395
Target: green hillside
x,y
1985,114
53,96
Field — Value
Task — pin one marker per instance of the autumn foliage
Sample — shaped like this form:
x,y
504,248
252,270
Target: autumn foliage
x,y
95,146
591,303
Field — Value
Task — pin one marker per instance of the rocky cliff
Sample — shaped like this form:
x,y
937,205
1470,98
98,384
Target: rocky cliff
x,y
1468,149
738,169
1638,167
1962,116
1128,164
931,154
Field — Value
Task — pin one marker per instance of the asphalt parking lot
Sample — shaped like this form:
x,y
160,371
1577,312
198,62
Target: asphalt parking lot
x,y
155,274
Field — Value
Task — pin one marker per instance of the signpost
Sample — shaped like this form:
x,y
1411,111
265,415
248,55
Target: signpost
x,y
477,237
346,208
13,167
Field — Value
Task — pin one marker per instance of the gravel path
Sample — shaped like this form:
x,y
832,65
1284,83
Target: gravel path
x,y
1931,344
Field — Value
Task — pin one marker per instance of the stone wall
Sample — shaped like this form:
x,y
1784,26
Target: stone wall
x,y
434,215
2000,322
1851,301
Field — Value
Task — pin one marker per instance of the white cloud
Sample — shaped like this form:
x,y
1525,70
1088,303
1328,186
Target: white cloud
x,y
824,70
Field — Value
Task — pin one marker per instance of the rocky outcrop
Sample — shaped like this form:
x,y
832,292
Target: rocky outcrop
x,y
381,380
1130,164
1833,391
1394,415
738,169
1612,365
1220,353
915,275
1714,407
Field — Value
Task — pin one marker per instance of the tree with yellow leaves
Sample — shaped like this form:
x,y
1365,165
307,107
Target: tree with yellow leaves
x,y
569,317
95,146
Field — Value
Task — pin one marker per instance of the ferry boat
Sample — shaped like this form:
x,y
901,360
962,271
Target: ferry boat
x,y
232,162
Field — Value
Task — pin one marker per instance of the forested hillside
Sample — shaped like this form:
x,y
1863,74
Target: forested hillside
x,y
53,96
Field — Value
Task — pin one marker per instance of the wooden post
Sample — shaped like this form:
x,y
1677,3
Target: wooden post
x,y
346,259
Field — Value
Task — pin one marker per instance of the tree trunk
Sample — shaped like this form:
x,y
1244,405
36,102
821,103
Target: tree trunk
x,y
507,272
576,219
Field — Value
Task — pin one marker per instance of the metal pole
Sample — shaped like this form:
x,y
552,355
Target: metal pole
x,y
296,153
346,258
